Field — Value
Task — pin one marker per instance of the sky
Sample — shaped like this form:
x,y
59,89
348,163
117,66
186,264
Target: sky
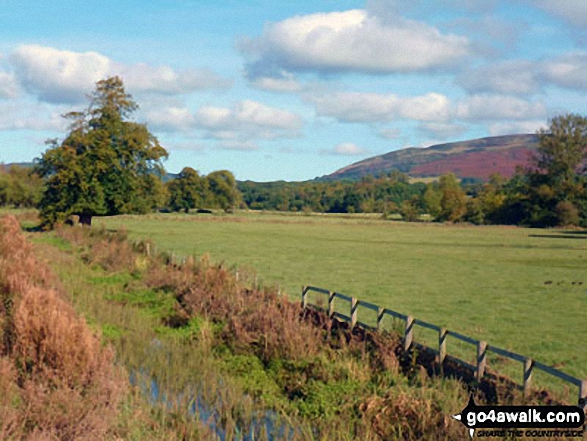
x,y
292,90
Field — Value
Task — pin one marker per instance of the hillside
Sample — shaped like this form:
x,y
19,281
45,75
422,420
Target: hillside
x,y
478,158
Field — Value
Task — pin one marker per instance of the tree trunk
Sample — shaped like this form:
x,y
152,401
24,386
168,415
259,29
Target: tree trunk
x,y
85,219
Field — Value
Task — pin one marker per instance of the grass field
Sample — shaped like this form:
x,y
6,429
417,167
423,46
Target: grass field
x,y
521,289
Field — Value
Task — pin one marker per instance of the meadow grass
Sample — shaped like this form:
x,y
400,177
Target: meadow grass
x,y
318,391
521,289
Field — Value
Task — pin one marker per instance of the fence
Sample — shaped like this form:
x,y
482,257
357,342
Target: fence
x,y
410,322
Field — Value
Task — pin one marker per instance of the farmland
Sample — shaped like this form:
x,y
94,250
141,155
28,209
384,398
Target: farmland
x,y
521,289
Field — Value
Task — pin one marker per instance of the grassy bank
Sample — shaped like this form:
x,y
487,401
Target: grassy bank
x,y
221,347
522,289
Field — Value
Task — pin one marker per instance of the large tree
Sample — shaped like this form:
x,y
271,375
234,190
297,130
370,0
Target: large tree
x,y
556,181
223,187
188,190
106,165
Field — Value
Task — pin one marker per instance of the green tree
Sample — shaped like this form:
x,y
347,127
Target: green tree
x,y
453,202
187,191
410,210
223,189
106,164
556,185
19,186
433,199
562,149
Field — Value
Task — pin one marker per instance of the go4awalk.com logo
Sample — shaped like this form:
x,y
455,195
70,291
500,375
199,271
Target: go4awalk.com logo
x,y
520,421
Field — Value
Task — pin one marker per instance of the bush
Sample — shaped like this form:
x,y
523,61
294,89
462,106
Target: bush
x,y
57,381
567,213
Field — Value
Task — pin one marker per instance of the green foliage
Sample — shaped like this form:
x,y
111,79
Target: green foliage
x,y
555,185
563,148
187,191
369,195
190,190
433,199
224,190
438,273
453,201
20,187
409,209
105,165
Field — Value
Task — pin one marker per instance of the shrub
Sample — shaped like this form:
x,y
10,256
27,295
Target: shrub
x,y
56,380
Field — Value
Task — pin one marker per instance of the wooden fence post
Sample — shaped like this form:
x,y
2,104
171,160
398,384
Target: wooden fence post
x,y
442,334
148,249
380,312
528,365
330,303
583,394
409,333
481,359
304,296
354,306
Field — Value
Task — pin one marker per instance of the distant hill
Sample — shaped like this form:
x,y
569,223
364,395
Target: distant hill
x,y
19,164
477,158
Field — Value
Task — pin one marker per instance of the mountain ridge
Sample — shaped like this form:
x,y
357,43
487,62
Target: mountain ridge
x,y
476,158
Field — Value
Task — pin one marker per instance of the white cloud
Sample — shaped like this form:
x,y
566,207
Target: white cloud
x,y
472,6
237,145
518,77
440,130
284,83
9,87
498,107
257,119
61,76
170,119
346,149
58,76
567,71
163,79
187,146
244,121
353,40
507,128
373,107
524,77
389,133
572,11
490,28
21,115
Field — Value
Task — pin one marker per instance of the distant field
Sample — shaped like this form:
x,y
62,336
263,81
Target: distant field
x,y
521,289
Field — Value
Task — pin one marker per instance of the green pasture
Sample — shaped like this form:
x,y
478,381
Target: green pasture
x,y
521,289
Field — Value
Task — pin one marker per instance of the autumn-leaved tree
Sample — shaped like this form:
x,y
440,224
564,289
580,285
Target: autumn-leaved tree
x,y
106,165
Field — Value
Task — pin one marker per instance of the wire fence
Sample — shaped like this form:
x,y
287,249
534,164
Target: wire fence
x,y
529,365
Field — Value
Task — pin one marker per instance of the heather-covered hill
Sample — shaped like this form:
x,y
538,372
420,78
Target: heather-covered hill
x,y
478,158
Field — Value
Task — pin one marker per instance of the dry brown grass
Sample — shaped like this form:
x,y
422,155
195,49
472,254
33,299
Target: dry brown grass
x,y
56,380
109,250
403,415
254,317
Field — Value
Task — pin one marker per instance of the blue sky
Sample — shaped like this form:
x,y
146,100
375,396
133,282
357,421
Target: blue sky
x,y
293,90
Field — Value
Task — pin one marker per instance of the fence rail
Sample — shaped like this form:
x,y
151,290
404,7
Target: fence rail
x,y
480,366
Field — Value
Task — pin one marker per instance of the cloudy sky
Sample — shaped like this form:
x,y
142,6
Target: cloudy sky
x,y
293,90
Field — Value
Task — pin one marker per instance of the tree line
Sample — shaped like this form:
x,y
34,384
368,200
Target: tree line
x,y
108,165
550,191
